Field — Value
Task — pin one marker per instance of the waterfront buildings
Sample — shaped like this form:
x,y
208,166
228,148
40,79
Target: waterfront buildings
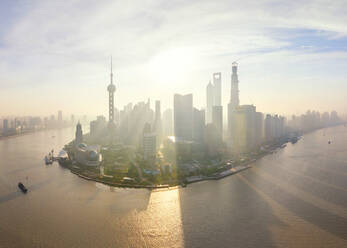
x,y
5,125
244,128
132,120
87,155
312,120
60,119
259,129
268,128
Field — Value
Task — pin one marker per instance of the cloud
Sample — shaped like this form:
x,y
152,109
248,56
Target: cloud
x,y
66,44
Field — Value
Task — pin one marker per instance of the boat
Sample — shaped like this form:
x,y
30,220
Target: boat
x,y
22,187
47,160
63,158
294,140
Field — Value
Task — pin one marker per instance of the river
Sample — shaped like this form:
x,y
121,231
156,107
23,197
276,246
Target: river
x,y
296,197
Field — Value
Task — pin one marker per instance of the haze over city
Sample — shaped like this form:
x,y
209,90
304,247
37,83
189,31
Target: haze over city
x,y
55,55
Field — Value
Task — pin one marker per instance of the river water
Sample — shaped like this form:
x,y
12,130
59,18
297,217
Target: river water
x,y
296,197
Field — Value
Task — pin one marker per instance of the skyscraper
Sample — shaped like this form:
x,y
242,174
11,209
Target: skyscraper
x,y
183,116
158,123
234,93
243,139
198,125
234,99
149,142
167,123
60,118
157,110
259,128
213,95
79,134
111,89
217,119
217,85
268,128
209,102
5,125
72,119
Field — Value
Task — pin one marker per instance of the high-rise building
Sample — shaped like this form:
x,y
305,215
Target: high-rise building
x,y
209,102
334,119
198,125
217,119
217,86
243,132
111,89
234,93
259,128
79,134
5,125
213,95
234,99
276,127
183,116
167,123
157,110
60,116
72,119
97,126
149,143
268,133
325,119
158,123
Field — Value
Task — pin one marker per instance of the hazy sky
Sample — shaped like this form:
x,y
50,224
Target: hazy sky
x,y
55,54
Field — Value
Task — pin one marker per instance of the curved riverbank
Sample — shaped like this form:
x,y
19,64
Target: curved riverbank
x,y
188,180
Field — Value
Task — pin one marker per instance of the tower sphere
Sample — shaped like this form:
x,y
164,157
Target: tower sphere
x,y
111,88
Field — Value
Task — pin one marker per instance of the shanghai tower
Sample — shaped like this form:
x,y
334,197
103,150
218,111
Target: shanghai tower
x,y
234,96
234,99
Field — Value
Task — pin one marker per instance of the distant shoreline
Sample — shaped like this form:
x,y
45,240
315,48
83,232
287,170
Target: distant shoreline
x,y
28,132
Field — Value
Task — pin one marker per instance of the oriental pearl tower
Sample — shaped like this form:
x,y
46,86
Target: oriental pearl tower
x,y
111,88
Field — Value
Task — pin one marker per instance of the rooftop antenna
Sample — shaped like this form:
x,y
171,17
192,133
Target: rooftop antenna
x,y
111,71
249,55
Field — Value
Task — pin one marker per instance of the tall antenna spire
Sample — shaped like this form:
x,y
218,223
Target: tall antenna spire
x,y
111,71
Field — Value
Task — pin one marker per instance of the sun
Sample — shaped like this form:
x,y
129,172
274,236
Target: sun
x,y
171,65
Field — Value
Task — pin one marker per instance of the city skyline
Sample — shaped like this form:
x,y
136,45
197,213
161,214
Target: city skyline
x,y
57,65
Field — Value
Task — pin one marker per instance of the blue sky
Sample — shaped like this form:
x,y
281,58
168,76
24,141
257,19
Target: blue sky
x,y
55,54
